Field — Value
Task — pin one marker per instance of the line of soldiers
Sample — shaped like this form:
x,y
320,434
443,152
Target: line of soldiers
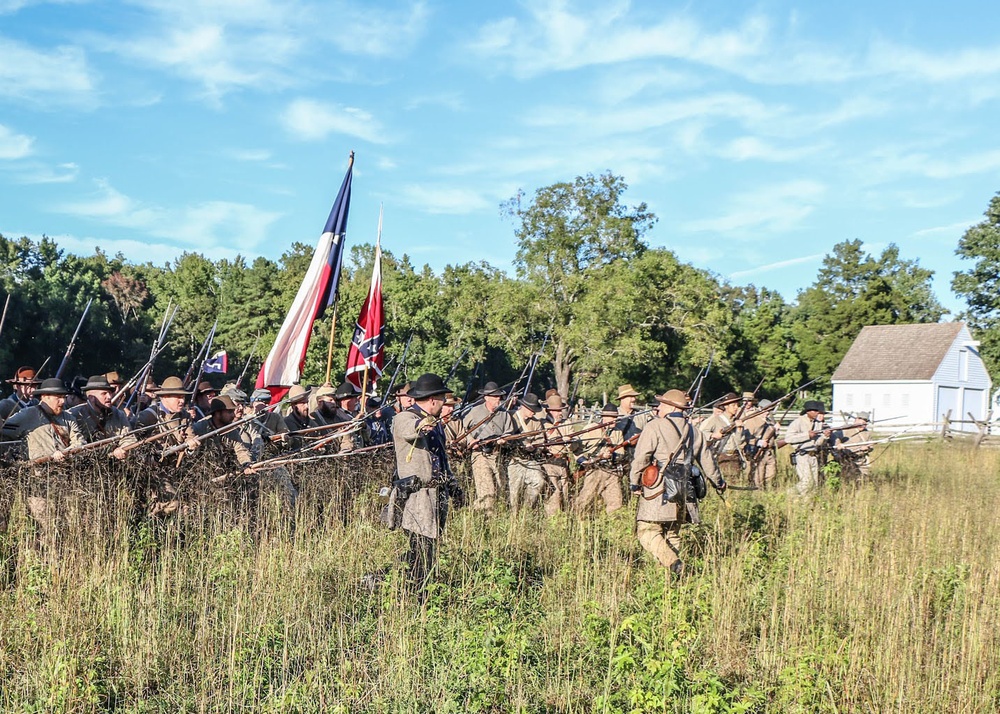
x,y
523,450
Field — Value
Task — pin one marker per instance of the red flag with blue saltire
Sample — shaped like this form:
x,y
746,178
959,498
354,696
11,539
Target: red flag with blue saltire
x,y
367,351
283,366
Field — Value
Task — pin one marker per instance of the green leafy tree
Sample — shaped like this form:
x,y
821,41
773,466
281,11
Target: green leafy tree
x,y
567,236
980,284
763,349
854,289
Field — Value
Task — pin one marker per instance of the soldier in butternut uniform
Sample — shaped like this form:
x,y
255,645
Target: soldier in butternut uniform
x,y
47,431
856,441
727,447
24,384
600,477
339,407
675,445
484,423
172,428
762,432
560,447
298,417
222,413
809,437
525,475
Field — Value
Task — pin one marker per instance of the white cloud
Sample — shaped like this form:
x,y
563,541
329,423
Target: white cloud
x,y
207,224
950,231
40,173
372,30
136,251
227,45
890,163
8,7
313,120
249,155
14,146
451,101
777,265
57,75
640,117
748,148
777,208
444,199
891,58
556,35
555,38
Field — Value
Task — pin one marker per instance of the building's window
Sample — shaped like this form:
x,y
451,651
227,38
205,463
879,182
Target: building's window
x,y
850,399
868,399
963,365
904,399
886,399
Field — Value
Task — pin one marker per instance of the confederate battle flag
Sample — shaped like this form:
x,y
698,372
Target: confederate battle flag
x,y
367,346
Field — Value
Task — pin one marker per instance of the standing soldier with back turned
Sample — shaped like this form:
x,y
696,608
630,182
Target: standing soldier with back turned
x,y
674,445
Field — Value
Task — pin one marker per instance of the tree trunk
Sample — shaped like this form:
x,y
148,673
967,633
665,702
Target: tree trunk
x,y
563,365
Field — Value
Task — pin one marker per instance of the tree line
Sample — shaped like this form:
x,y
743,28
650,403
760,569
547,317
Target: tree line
x,y
608,307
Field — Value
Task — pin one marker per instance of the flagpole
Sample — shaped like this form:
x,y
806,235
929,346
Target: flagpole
x,y
364,392
329,354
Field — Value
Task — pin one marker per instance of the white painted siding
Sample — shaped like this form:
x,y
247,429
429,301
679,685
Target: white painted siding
x,y
898,403
962,383
949,372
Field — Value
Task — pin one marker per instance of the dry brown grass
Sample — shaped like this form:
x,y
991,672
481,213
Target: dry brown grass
x,y
881,597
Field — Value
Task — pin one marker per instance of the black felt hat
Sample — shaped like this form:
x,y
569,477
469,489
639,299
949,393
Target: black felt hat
x,y
428,385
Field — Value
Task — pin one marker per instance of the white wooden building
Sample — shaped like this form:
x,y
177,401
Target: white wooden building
x,y
913,374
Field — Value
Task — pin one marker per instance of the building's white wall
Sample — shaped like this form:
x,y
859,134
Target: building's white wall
x,y
899,403
949,372
963,390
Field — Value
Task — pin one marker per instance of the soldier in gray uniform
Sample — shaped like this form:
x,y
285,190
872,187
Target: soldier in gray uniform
x,y
674,445
809,437
98,419
484,423
419,441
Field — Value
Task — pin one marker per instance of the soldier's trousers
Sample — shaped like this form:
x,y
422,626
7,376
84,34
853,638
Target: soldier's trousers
x,y
764,469
488,480
526,480
807,468
557,476
661,540
421,558
599,482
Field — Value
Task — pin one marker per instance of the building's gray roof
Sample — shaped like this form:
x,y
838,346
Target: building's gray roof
x,y
897,352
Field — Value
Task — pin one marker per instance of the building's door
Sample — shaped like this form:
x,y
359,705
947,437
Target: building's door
x,y
947,401
972,403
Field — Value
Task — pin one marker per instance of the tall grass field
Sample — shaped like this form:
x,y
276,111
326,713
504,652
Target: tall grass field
x,y
882,596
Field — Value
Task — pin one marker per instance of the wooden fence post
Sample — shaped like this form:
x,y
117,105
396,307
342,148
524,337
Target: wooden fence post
x,y
983,428
946,426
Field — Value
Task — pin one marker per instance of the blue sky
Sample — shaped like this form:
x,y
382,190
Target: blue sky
x,y
760,134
